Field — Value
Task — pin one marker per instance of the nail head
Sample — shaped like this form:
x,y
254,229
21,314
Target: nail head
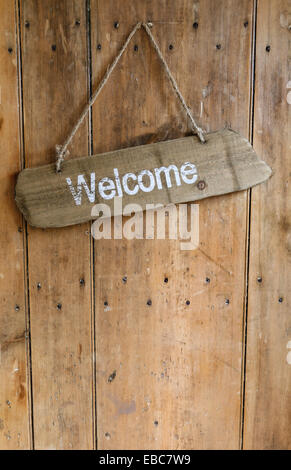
x,y
112,376
201,185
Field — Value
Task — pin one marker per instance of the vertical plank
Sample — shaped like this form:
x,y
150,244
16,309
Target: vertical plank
x,y
14,390
268,373
55,89
169,374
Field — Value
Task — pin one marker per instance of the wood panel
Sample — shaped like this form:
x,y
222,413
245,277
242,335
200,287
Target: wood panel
x,y
14,390
55,88
268,369
169,372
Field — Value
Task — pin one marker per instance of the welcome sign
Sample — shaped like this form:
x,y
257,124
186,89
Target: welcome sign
x,y
174,171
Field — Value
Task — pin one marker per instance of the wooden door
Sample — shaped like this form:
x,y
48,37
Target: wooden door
x,y
119,344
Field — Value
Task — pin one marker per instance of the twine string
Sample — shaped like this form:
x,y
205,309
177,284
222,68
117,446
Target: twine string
x,y
174,83
62,151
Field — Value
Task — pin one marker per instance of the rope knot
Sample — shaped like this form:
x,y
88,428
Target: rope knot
x,y
61,153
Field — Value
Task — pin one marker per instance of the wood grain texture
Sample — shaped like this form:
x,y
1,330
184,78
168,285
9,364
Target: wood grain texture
x,y
268,369
225,163
168,373
14,388
54,37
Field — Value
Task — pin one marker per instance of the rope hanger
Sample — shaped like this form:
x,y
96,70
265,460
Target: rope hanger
x,y
62,150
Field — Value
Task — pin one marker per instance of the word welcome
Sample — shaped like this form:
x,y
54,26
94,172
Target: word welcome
x,y
131,183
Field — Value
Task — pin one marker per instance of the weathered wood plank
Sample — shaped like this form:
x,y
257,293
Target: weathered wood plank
x,y
55,87
168,373
268,369
161,173
14,388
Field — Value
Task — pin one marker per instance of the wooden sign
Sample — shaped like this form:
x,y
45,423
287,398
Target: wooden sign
x,y
175,171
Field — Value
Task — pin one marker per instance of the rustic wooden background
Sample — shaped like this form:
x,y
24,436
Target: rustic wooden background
x,y
80,374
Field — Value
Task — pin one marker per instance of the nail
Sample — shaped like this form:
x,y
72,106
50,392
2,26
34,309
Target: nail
x,y
201,185
112,376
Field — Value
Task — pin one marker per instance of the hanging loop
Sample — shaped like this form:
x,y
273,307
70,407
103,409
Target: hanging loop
x,y
61,151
